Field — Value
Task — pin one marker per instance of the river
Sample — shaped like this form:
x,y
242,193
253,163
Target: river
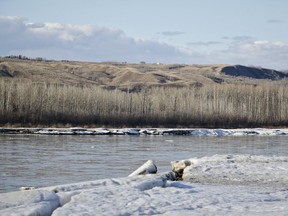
x,y
44,160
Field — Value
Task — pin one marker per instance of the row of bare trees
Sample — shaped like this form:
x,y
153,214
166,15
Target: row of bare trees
x,y
225,105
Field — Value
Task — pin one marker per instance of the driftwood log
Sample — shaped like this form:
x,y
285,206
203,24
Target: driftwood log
x,y
147,168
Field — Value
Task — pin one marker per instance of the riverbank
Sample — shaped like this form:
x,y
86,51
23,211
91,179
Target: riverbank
x,y
147,131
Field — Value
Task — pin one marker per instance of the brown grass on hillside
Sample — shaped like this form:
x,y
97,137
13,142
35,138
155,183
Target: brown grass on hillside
x,y
116,75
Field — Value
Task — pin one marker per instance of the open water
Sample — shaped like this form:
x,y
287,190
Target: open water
x,y
44,160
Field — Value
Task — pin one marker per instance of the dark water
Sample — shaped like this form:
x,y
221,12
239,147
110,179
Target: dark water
x,y
31,160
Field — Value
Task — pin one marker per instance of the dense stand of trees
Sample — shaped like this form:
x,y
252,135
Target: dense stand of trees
x,y
225,105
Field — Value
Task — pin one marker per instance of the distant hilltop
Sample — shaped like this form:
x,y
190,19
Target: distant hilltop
x,y
253,72
134,77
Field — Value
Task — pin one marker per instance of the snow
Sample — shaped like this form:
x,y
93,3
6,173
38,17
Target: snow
x,y
33,202
149,131
238,169
215,185
239,132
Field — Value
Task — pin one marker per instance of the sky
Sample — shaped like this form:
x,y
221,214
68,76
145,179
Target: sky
x,y
247,32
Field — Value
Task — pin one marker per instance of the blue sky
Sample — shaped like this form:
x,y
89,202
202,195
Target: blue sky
x,y
248,32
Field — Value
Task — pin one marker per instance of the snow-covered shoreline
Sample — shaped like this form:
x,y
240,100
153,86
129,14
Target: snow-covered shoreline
x,y
215,185
148,131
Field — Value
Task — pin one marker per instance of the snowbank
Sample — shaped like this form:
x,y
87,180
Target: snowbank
x,y
238,169
45,200
177,198
147,131
238,185
33,202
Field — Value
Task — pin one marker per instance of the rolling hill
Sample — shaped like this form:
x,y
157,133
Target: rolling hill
x,y
131,76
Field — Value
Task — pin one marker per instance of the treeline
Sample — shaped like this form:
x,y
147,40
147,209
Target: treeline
x,y
21,57
225,105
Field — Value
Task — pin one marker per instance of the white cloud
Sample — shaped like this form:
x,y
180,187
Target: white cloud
x,y
271,54
11,26
171,33
204,43
79,42
91,43
275,21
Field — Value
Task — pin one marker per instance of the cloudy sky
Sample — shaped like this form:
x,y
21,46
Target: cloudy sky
x,y
248,32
